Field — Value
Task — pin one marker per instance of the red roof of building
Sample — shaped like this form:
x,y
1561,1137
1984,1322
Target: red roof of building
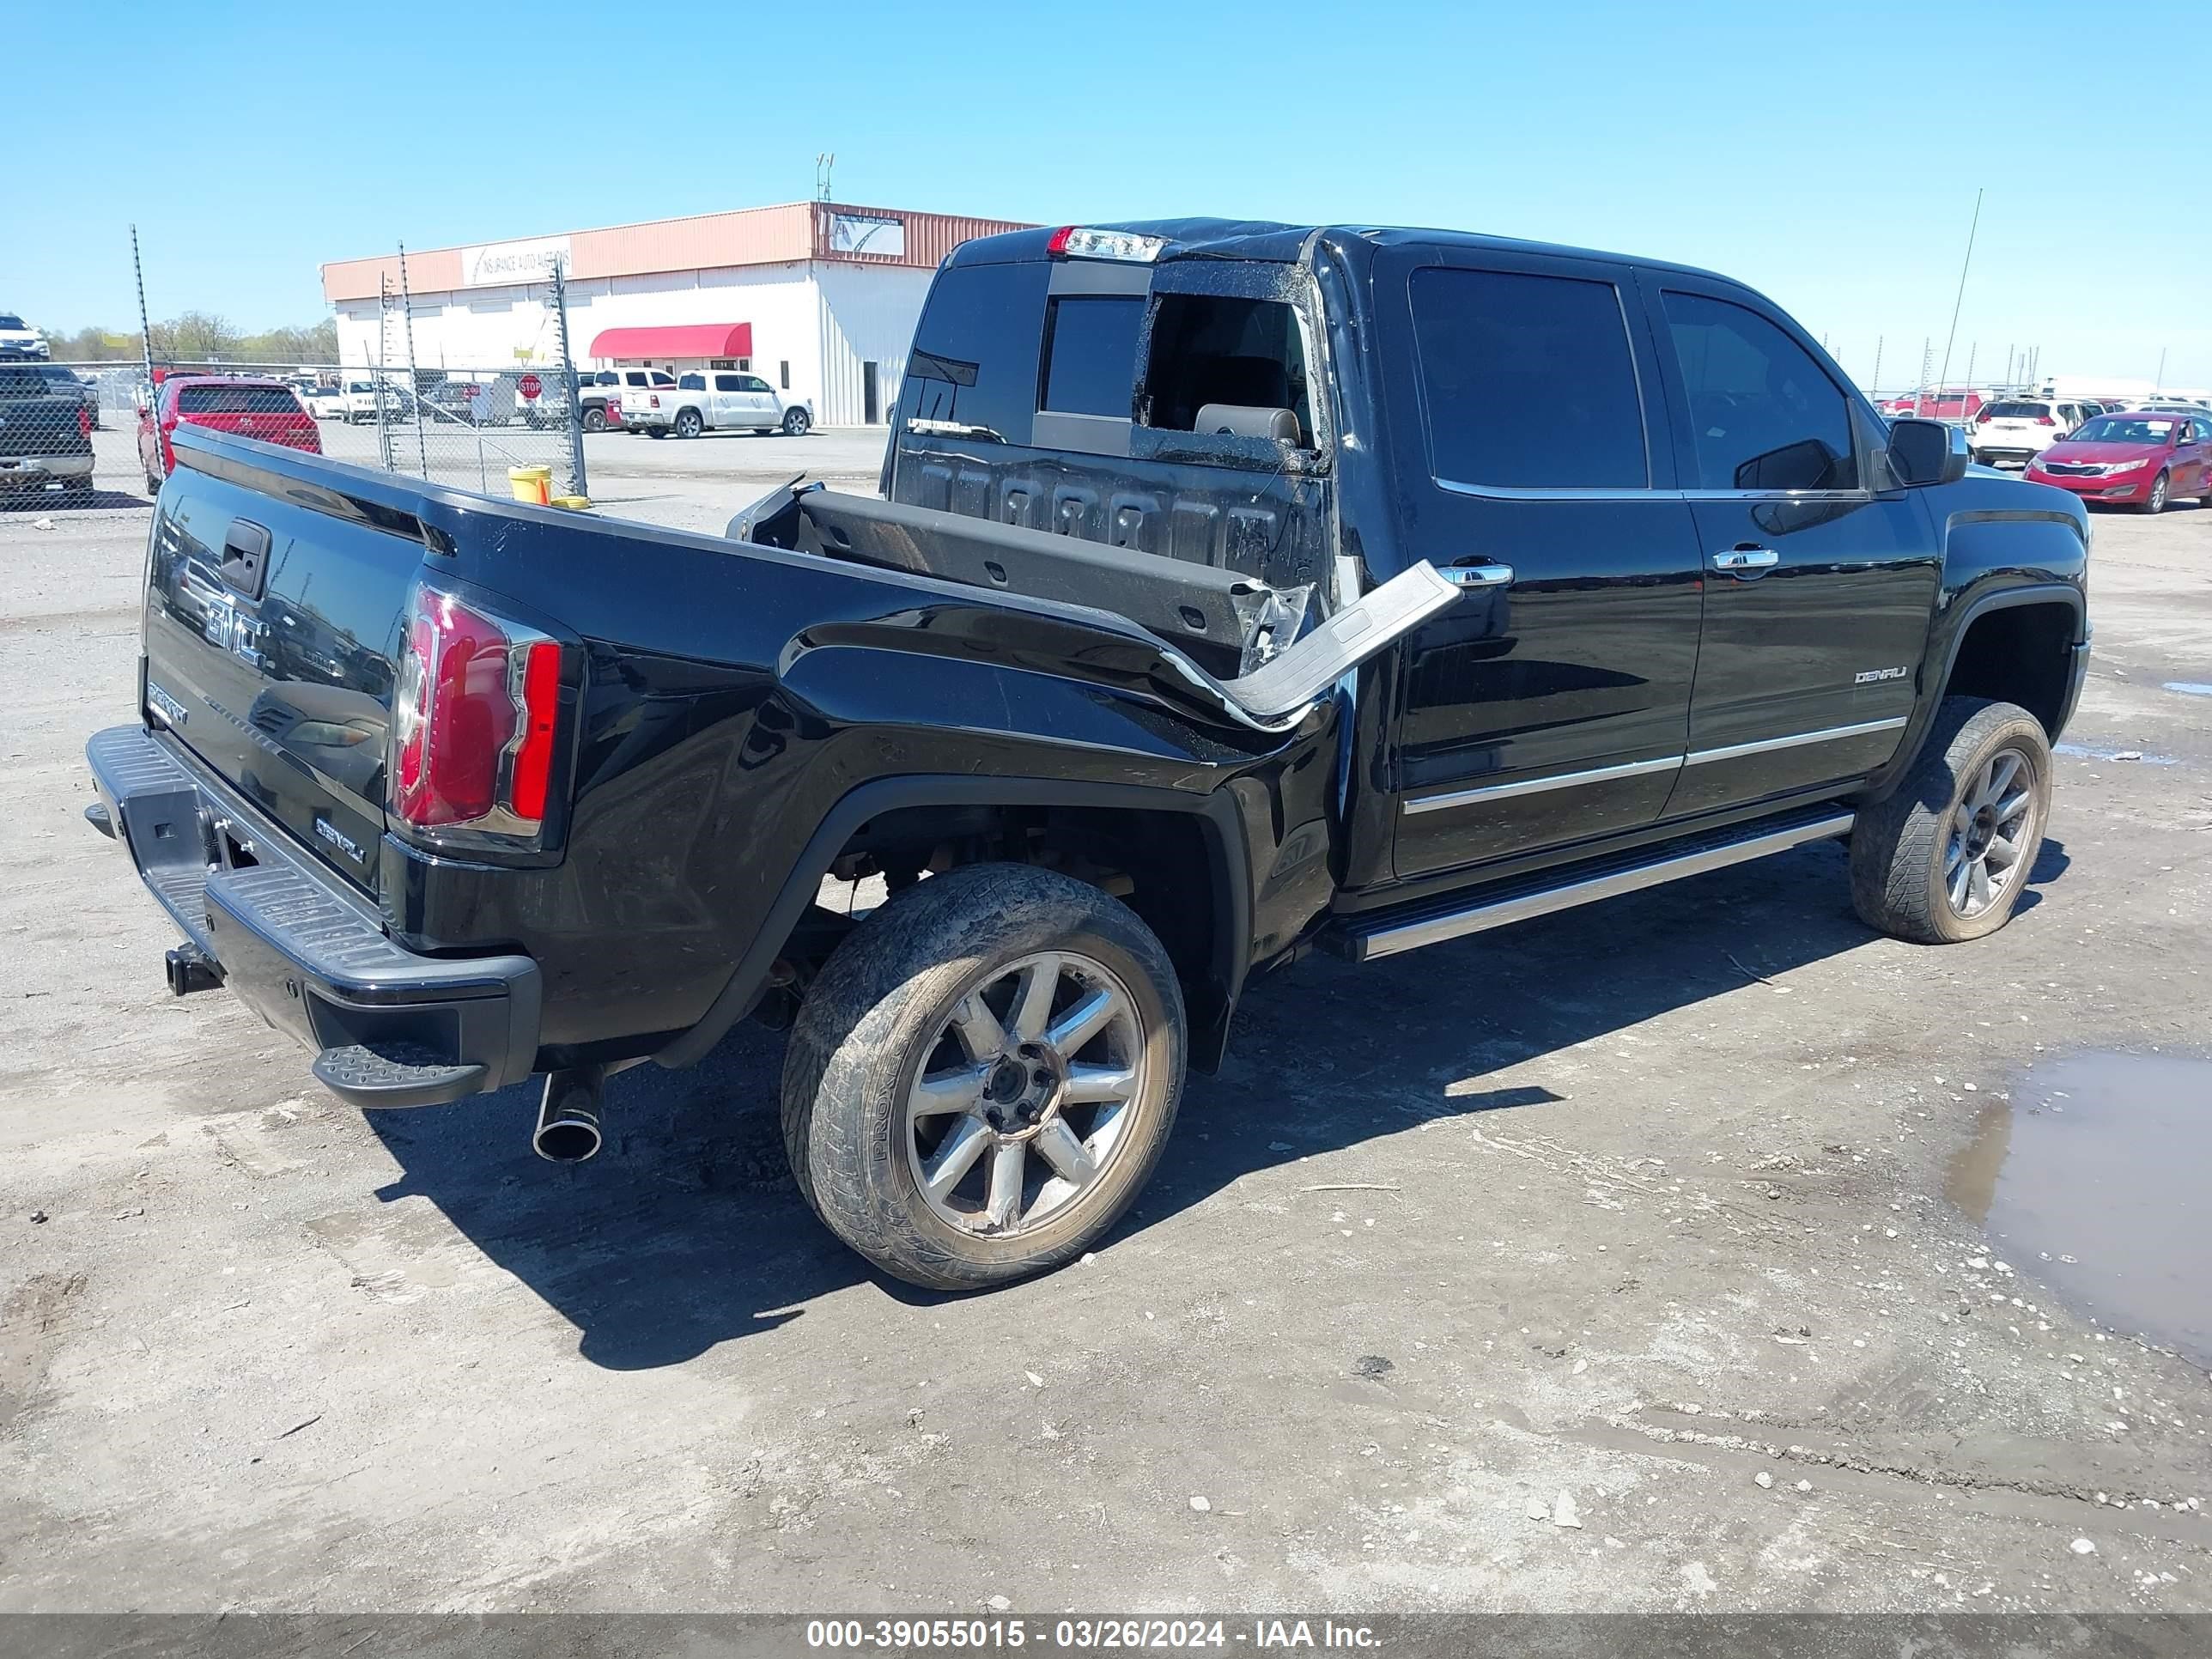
x,y
681,340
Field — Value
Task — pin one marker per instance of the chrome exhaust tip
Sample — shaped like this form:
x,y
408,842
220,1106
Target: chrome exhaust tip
x,y
568,1129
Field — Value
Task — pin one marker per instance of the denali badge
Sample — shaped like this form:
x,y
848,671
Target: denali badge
x,y
1873,674
172,712
344,843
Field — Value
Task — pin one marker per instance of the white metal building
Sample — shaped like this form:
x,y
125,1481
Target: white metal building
x,y
819,297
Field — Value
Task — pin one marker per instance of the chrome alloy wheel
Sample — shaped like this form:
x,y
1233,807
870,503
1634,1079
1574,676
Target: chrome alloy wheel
x,y
1981,854
1026,1093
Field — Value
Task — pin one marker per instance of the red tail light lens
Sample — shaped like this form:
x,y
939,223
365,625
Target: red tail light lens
x,y
84,421
476,719
2044,420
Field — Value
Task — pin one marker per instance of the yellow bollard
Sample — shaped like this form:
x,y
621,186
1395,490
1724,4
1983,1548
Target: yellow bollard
x,y
533,484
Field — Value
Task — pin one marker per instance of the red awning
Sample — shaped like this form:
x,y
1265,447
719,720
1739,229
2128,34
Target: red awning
x,y
685,340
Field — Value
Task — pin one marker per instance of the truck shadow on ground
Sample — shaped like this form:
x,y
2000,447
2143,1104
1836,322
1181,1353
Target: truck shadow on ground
x,y
686,1231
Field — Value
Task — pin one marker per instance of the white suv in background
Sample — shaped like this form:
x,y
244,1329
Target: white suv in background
x,y
715,399
2013,431
18,341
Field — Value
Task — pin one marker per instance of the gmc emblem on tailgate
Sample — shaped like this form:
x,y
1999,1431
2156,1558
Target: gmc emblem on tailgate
x,y
339,838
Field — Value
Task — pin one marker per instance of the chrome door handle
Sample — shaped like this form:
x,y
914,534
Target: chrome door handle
x,y
1738,560
1478,575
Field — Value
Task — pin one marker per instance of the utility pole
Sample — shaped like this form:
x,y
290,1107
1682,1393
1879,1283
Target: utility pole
x,y
1874,386
414,384
578,484
1960,299
2158,381
822,163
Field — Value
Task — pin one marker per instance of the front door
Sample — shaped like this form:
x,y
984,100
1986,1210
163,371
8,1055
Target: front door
x,y
1820,588
2192,460
1523,407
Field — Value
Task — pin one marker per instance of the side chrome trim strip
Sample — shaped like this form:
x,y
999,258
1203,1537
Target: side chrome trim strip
x,y
1795,740
1519,907
1537,785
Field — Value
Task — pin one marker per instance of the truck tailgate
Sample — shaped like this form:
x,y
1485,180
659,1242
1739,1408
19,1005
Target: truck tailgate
x,y
269,637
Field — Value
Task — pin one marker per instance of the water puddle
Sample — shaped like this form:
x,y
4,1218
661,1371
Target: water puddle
x,y
2091,1178
2083,751
2189,688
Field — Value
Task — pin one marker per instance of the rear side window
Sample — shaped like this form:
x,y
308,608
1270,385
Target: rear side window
x,y
728,383
1209,349
692,383
235,400
1528,382
1090,354
974,362
1763,414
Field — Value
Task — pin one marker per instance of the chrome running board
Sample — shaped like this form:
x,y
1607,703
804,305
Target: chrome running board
x,y
1386,933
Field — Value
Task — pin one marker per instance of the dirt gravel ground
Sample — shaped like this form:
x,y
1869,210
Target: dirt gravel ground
x,y
1603,1263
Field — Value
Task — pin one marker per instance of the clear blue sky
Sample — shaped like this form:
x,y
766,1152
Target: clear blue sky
x,y
1827,154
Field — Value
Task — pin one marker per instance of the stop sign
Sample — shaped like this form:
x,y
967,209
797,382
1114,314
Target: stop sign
x,y
531,386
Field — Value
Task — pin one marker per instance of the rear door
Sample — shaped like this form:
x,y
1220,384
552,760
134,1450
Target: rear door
x,y
1819,589
2192,457
1523,401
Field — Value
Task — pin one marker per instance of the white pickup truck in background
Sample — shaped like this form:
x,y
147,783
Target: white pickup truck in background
x,y
713,399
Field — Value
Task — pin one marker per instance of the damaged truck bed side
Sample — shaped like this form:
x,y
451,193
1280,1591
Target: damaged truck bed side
x,y
1236,589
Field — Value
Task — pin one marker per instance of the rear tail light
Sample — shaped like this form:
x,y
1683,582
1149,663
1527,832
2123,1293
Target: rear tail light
x,y
84,421
654,400
476,717
2044,420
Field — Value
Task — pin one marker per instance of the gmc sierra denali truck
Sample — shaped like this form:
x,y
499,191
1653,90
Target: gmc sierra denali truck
x,y
1235,590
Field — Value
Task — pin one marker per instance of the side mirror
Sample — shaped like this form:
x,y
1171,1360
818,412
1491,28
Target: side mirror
x,y
1927,453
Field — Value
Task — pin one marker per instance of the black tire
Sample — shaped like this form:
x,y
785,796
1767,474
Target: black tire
x,y
1901,847
796,423
595,420
877,1012
153,485
689,424
2155,502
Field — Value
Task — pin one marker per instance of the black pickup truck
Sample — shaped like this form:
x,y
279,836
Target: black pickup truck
x,y
1236,590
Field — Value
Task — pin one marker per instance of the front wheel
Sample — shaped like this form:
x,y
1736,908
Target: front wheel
x,y
2155,502
1945,857
984,1075
795,423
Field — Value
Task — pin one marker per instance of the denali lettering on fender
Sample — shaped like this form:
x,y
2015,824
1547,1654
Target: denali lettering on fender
x,y
1871,675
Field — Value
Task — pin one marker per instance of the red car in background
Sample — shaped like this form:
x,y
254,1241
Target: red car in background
x,y
250,406
1950,404
2143,458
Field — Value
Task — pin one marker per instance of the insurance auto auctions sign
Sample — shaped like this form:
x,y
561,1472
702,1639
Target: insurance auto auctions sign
x,y
511,262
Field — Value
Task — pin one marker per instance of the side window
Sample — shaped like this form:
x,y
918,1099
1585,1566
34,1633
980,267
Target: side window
x,y
1210,348
974,362
1763,414
635,377
751,383
729,383
1527,382
1090,354
692,383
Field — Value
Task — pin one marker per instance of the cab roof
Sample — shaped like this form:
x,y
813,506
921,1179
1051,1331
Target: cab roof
x,y
1273,242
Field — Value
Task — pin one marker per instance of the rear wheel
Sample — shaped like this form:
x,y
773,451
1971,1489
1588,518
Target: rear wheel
x,y
595,420
1945,857
795,423
983,1076
688,424
2155,502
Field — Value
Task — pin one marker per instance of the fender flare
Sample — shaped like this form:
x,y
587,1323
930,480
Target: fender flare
x,y
1218,819
1923,713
